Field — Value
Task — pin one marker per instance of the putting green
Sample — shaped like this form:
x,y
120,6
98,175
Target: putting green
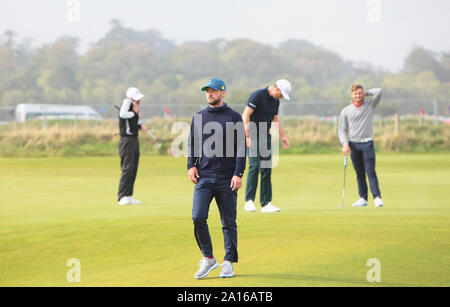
x,y
56,209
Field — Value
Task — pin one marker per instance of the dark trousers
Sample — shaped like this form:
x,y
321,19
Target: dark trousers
x,y
254,161
363,158
129,160
205,190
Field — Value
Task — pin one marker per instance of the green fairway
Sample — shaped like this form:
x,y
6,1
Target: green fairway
x,y
55,209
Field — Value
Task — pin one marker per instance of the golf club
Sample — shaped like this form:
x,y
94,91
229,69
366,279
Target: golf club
x,y
153,137
343,189
150,134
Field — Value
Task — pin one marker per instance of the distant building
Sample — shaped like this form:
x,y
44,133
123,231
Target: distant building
x,y
27,111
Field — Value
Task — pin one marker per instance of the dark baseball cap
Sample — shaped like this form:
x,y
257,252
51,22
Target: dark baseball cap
x,y
216,84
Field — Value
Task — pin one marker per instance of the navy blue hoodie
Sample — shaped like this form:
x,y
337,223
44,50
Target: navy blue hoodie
x,y
217,143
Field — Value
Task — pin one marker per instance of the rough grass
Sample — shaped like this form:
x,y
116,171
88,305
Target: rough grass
x,y
310,135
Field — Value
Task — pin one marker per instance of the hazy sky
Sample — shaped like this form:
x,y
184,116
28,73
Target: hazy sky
x,y
348,27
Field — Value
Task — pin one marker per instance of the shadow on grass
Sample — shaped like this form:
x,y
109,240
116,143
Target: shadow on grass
x,y
298,280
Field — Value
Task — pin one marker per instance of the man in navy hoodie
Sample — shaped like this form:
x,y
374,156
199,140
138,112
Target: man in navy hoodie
x,y
216,164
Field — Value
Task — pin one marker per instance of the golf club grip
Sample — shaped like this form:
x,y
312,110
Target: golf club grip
x,y
345,161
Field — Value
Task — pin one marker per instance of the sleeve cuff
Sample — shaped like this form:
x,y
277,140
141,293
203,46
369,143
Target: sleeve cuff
x,y
239,174
251,105
191,164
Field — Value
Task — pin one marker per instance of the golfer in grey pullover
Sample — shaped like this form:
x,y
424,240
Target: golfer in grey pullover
x,y
356,136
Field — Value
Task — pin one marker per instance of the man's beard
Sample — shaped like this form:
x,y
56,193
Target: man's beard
x,y
215,102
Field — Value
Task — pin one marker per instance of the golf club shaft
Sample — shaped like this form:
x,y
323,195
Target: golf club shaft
x,y
345,173
151,135
148,132
154,138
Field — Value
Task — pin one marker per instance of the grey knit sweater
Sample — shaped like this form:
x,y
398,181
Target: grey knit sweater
x,y
356,123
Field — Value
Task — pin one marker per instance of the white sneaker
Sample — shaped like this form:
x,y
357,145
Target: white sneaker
x,y
269,208
378,202
227,270
134,201
250,206
206,266
360,203
124,201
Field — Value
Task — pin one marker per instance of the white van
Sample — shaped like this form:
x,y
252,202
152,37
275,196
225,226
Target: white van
x,y
26,111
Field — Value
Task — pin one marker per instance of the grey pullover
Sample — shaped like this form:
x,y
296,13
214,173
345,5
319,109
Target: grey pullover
x,y
357,122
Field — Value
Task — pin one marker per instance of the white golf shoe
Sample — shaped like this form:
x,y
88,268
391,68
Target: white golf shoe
x,y
250,206
206,266
378,202
227,270
134,201
269,208
360,203
125,201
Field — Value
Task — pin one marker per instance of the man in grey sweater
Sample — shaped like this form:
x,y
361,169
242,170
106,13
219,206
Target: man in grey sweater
x,y
356,136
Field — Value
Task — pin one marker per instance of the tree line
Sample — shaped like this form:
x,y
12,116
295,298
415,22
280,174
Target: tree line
x,y
173,74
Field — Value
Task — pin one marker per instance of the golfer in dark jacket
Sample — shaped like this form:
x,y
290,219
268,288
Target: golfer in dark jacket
x,y
261,111
129,145
216,165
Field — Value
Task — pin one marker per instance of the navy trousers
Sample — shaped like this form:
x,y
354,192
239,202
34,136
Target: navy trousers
x,y
205,190
363,159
